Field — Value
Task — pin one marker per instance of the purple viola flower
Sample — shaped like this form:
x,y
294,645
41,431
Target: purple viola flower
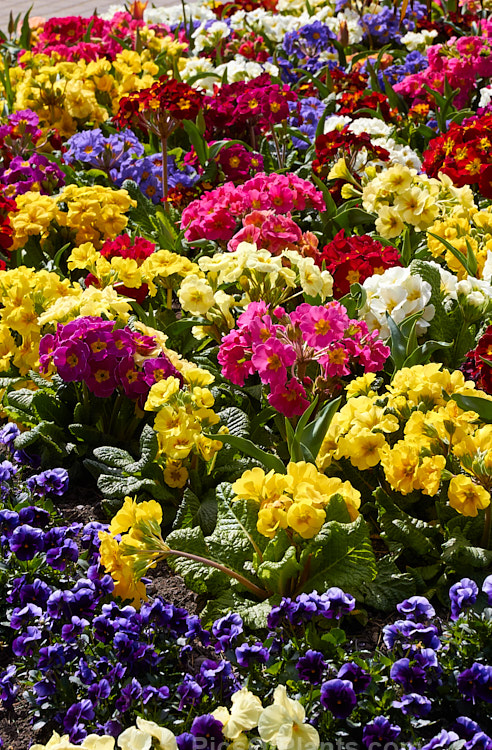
x,y
381,731
336,603
159,694
476,682
58,557
38,592
75,718
411,677
34,516
51,657
487,588
462,595
359,678
413,704
466,727
207,728
129,695
7,471
407,632
50,481
70,631
9,520
251,653
311,666
339,697
99,691
26,541
195,630
43,689
8,689
217,676
417,608
442,740
25,643
8,433
22,615
226,630
186,741
189,692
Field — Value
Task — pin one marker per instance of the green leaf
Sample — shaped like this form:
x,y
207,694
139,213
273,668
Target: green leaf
x,y
314,433
114,457
339,555
253,614
337,510
198,141
389,587
457,253
278,576
149,447
235,538
49,407
406,531
331,206
459,552
250,449
197,576
481,406
192,513
236,421
21,399
398,343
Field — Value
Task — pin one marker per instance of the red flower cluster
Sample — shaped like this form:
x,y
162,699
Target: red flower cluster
x,y
67,37
352,260
7,206
338,143
464,153
159,108
136,248
224,10
352,102
238,107
475,368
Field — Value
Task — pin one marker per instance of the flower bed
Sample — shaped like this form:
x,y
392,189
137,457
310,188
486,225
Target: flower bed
x,y
246,305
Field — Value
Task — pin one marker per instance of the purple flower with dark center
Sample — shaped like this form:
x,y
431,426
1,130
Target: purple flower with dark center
x,y
129,695
25,643
440,741
413,704
189,692
466,727
51,657
185,741
58,557
79,712
411,677
476,682
359,678
336,603
417,608
8,690
160,694
217,676
9,520
85,673
195,630
72,630
8,433
38,592
7,471
26,541
251,653
479,741
487,588
43,689
339,697
311,666
226,630
207,728
380,731
99,691
34,516
51,481
21,616
462,595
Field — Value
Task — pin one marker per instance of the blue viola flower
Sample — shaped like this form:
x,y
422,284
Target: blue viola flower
x,y
251,653
358,676
26,541
380,730
413,704
311,666
462,595
226,630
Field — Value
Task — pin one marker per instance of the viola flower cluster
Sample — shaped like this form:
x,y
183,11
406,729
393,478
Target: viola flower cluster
x,y
352,260
215,215
104,358
299,354
121,156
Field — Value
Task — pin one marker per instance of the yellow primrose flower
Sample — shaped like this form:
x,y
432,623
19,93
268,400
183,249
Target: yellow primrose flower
x,y
363,448
467,497
400,466
161,392
305,519
245,711
270,519
175,474
361,386
196,295
83,256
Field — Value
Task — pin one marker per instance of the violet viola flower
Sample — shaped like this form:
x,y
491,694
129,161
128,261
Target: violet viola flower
x,y
417,608
463,594
206,727
26,541
410,677
476,682
413,704
248,654
380,731
226,630
359,678
339,697
311,666
487,588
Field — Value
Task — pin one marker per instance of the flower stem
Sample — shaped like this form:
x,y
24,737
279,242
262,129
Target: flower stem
x,y
164,173
486,527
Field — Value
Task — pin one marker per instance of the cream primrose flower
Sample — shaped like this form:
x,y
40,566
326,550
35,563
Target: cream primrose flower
x,y
195,295
400,294
246,709
134,739
164,737
282,724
